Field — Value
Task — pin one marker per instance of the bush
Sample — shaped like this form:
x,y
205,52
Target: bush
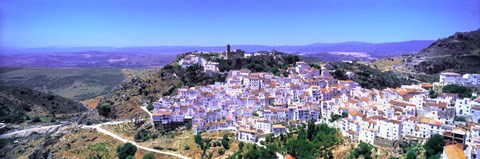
x,y
221,151
149,156
36,119
186,147
142,135
158,148
150,107
104,110
172,149
128,149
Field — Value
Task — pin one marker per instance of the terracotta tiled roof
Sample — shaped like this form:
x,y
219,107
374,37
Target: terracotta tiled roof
x,y
454,151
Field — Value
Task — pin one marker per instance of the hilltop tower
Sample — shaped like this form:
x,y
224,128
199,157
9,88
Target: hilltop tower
x,y
237,53
228,50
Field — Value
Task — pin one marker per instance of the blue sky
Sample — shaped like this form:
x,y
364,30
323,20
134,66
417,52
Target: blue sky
x,y
121,23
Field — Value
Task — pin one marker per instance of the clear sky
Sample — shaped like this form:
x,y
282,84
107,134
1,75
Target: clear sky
x,y
121,23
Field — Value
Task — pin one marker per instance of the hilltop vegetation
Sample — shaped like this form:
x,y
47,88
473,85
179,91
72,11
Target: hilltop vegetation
x,y
18,104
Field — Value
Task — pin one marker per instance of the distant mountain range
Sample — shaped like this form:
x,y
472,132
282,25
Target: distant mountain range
x,y
374,49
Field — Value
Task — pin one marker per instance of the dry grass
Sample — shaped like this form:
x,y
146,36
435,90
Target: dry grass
x,y
177,140
385,64
84,143
125,130
180,139
92,102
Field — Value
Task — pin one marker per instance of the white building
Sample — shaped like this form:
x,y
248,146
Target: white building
x,y
247,135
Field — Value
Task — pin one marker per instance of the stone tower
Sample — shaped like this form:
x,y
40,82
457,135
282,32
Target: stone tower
x,y
228,50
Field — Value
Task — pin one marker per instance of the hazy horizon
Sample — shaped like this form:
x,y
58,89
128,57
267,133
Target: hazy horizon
x,y
345,42
110,23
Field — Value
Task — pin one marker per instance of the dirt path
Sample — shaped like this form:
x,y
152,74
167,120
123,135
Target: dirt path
x,y
98,128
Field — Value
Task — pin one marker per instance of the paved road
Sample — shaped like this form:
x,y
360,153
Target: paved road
x,y
106,132
27,132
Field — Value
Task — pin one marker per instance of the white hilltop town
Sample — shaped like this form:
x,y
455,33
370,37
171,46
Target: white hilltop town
x,y
256,104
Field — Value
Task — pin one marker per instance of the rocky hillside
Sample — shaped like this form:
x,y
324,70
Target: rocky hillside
x,y
19,104
458,53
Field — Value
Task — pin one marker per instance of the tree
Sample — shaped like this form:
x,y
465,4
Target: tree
x,y
311,130
150,107
434,145
432,94
463,92
459,118
188,125
186,147
225,137
221,151
130,157
412,151
260,153
363,149
198,138
128,149
335,117
225,144
240,145
149,156
205,145
103,110
339,74
270,138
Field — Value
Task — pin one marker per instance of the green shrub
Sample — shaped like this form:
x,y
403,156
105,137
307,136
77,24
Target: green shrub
x,y
463,92
460,118
150,107
36,119
126,150
104,110
149,156
221,151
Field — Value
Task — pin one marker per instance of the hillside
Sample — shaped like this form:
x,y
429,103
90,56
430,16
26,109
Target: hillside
x,y
74,83
367,76
125,100
19,104
458,53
